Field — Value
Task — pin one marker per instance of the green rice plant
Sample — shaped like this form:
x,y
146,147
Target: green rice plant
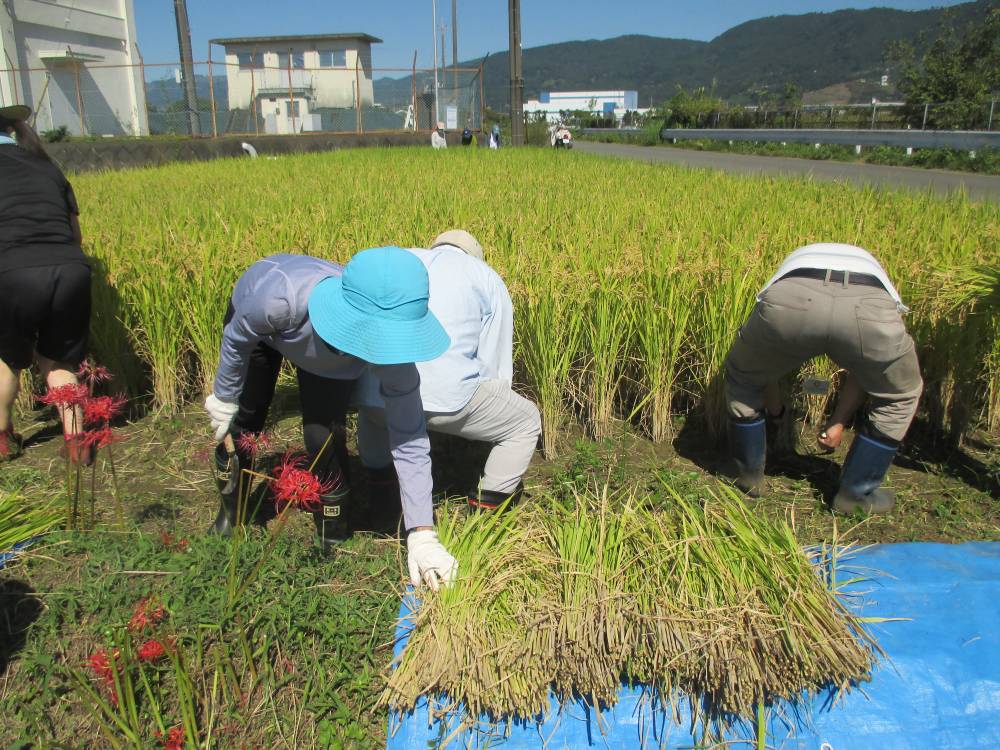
x,y
550,335
157,323
662,317
718,316
608,326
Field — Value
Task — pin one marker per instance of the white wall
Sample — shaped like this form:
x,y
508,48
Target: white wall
x,y
330,87
101,33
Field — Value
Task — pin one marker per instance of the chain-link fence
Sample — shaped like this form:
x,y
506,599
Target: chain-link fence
x,y
216,99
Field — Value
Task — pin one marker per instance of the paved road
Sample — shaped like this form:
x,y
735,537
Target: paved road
x,y
978,186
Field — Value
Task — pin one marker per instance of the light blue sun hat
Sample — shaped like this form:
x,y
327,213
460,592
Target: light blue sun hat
x,y
377,310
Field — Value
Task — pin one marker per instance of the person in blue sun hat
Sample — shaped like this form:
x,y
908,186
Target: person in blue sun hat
x,y
333,323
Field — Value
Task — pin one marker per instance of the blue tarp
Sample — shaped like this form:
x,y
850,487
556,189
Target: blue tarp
x,y
940,687
12,553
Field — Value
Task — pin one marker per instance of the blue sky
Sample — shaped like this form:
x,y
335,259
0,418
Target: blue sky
x,y
405,25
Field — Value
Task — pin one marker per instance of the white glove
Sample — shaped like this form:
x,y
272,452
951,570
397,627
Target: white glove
x,y
222,414
428,560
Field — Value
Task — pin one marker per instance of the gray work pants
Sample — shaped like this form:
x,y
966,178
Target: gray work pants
x,y
495,414
858,327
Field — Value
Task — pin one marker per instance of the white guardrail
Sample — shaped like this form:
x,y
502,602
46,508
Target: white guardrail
x,y
963,140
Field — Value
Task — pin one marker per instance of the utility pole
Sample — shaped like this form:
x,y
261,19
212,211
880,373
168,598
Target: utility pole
x,y
187,65
454,43
434,35
516,75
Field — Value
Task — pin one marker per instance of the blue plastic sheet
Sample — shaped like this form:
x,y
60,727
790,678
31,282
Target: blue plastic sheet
x,y
939,688
5,557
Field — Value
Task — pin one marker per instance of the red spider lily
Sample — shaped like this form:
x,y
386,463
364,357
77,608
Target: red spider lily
x,y
253,444
92,373
151,651
66,396
294,485
100,438
175,739
102,409
147,612
100,664
171,544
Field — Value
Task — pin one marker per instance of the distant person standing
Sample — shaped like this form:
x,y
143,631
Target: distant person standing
x,y
437,137
44,278
495,136
466,137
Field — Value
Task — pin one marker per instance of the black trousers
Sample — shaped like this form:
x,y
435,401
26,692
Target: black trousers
x,y
324,404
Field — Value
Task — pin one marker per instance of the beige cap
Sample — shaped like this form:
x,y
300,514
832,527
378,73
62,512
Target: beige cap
x,y
462,240
15,112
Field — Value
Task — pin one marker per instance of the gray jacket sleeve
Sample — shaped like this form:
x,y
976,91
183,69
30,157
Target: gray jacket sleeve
x,y
260,308
411,450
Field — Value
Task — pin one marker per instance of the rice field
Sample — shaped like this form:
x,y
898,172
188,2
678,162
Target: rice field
x,y
629,280
629,283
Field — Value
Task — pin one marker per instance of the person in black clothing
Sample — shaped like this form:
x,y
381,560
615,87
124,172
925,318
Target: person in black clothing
x,y
44,278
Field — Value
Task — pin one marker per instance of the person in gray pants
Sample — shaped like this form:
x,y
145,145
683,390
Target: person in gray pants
x,y
466,391
836,300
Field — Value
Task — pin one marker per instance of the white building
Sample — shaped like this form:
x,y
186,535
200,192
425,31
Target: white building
x,y
287,78
606,103
65,58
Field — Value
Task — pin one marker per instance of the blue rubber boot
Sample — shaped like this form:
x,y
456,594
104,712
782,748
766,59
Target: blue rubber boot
x,y
865,468
747,449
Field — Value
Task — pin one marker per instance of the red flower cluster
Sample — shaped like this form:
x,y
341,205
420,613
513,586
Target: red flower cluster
x,y
174,740
98,411
147,612
171,544
151,651
102,409
100,665
253,444
293,484
92,374
66,396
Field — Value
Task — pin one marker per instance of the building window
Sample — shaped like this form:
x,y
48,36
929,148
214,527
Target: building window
x,y
298,60
336,58
250,60
294,109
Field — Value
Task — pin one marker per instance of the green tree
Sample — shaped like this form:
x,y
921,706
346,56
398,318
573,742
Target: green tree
x,y
692,109
959,73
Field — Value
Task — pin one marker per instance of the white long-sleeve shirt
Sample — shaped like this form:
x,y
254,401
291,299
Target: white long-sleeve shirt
x,y
474,306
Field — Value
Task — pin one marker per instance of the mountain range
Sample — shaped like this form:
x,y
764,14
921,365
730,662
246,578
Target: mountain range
x,y
812,51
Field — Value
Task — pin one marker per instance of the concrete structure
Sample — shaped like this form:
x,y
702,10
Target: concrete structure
x,y
65,59
606,103
287,78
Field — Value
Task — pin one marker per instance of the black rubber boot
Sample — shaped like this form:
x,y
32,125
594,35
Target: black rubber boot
x,y
384,506
863,472
332,524
227,477
747,450
488,500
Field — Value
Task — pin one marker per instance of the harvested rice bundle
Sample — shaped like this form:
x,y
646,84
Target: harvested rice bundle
x,y
702,597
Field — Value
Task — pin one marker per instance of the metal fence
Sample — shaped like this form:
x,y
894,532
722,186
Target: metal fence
x,y
983,115
229,99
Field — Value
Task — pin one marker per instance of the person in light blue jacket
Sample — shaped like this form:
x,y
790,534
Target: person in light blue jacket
x,y
467,391
335,323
